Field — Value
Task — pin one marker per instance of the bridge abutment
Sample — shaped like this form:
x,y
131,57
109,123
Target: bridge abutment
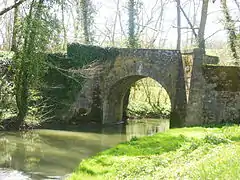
x,y
194,114
112,109
179,104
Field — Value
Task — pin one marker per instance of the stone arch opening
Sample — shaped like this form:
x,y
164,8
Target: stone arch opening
x,y
147,99
113,106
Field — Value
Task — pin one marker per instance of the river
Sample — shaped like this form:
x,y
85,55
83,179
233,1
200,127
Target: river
x,y
53,154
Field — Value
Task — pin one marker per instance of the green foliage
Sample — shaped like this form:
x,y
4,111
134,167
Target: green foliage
x,y
39,28
86,54
201,153
64,81
7,101
148,99
29,60
39,109
215,139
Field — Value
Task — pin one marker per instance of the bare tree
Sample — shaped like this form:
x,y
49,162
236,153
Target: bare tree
x,y
188,21
178,25
201,31
196,7
150,27
238,4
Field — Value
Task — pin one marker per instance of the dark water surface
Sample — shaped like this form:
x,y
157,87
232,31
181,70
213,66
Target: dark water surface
x,y
53,154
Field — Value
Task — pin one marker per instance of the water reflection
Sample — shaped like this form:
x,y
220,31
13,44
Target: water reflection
x,y
46,153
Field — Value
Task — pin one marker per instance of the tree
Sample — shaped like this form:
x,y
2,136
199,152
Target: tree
x,y
87,20
76,20
230,26
63,26
132,39
203,21
15,29
178,25
29,59
132,43
201,29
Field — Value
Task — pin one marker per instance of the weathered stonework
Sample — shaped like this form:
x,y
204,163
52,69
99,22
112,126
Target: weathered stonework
x,y
101,97
222,94
164,66
196,93
221,107
214,91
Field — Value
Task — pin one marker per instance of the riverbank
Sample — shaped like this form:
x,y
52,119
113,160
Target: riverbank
x,y
183,153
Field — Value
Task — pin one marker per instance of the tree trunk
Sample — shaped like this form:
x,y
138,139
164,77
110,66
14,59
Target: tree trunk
x,y
132,41
63,27
230,26
76,21
15,29
201,32
22,97
178,25
22,78
84,4
188,21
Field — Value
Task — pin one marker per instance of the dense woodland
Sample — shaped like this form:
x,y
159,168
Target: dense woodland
x,y
32,28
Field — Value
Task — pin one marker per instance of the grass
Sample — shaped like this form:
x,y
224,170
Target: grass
x,y
184,153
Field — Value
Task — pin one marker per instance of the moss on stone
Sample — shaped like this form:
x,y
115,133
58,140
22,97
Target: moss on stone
x,y
227,78
62,85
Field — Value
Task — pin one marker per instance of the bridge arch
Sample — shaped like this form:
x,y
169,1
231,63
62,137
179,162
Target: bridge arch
x,y
126,71
117,93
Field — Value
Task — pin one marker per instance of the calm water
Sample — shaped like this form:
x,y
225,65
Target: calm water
x,y
52,154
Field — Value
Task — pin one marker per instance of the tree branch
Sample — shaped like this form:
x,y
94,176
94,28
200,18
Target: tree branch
x,y
11,7
189,22
184,27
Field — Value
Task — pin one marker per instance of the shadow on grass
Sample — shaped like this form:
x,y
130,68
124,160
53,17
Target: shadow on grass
x,y
87,171
221,125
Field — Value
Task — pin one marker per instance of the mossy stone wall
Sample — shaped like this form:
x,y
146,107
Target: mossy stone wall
x,y
63,84
222,94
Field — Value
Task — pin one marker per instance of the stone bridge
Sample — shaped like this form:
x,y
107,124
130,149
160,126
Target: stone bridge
x,y
164,66
102,96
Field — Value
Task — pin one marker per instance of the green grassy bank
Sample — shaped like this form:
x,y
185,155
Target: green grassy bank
x,y
184,153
